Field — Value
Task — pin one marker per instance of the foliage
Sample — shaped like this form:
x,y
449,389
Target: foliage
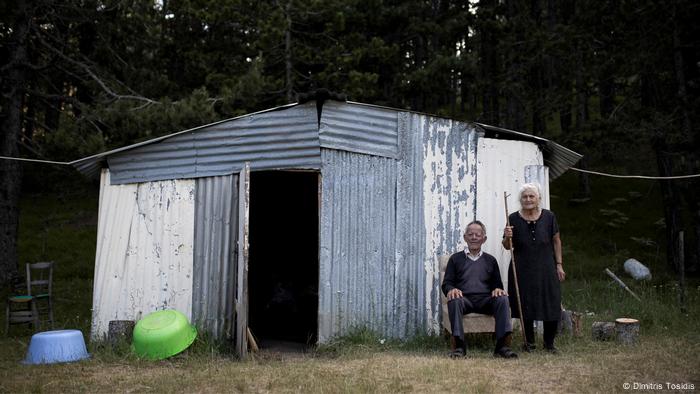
x,y
614,80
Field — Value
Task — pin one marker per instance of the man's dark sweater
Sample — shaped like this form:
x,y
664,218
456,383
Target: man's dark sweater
x,y
478,277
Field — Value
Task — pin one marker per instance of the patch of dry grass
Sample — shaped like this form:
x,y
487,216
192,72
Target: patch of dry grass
x,y
582,366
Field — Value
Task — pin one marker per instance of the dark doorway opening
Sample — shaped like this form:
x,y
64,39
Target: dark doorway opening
x,y
283,259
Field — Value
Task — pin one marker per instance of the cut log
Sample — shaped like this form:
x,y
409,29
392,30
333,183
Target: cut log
x,y
627,330
603,330
120,330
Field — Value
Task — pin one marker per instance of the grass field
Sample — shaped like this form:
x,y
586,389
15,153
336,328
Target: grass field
x,y
582,366
621,221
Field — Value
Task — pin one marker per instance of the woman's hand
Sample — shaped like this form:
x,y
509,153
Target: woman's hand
x,y
508,232
507,236
560,273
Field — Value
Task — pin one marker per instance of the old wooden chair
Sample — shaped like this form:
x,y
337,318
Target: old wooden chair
x,y
40,287
20,308
472,322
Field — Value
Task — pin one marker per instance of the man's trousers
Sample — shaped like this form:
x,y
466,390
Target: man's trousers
x,y
497,307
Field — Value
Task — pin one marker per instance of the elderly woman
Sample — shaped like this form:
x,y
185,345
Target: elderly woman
x,y
537,251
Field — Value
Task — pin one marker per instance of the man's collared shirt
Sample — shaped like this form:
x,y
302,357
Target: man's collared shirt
x,y
472,258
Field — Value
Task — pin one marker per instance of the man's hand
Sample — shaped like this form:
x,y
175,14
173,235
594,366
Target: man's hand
x,y
454,293
498,293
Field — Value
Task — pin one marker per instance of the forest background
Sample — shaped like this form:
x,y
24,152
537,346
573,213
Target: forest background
x,y
616,81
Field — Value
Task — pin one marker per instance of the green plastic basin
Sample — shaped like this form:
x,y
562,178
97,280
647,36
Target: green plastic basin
x,y
162,334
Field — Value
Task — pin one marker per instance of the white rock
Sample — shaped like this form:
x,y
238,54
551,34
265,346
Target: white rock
x,y
637,270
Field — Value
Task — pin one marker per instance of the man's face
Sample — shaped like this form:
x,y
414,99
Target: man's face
x,y
474,237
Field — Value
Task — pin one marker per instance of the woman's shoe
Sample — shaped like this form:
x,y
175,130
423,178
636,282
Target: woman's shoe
x,y
551,349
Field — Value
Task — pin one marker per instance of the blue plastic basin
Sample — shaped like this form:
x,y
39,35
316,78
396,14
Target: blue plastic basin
x,y
59,346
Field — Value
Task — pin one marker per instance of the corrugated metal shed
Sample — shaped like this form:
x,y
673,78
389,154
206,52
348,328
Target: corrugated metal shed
x,y
397,190
143,263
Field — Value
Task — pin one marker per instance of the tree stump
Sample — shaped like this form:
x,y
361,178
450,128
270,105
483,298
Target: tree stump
x,y
627,330
603,330
120,330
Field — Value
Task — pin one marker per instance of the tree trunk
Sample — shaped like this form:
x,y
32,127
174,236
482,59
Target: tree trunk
x,y
11,126
565,119
606,89
584,183
584,190
289,87
489,63
671,201
515,109
680,74
696,225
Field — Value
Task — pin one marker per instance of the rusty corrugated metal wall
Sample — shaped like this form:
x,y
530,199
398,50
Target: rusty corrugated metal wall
x,y
216,233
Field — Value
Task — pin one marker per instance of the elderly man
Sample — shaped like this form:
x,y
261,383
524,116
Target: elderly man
x,y
473,284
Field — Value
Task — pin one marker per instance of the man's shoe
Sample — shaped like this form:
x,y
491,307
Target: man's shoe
x,y
529,347
457,353
505,352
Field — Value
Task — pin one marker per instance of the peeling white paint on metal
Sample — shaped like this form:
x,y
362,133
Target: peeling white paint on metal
x,y
144,254
448,185
504,166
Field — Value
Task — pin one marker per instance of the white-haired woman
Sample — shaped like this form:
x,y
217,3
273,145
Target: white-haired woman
x,y
537,249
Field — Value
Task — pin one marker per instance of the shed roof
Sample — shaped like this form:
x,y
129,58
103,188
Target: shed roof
x,y
557,157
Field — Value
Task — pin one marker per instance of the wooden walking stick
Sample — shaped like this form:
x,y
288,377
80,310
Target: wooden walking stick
x,y
515,273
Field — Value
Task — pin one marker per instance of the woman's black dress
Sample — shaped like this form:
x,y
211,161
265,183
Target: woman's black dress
x,y
540,293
